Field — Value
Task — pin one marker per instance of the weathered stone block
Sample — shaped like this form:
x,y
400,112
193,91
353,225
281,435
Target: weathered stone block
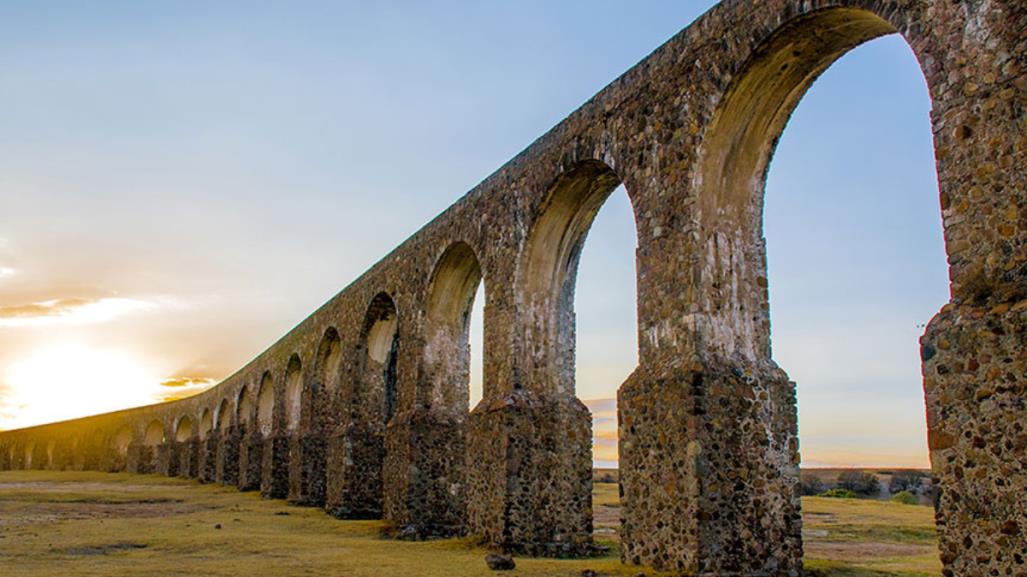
x,y
307,470
529,469
975,380
274,480
356,457
425,474
251,462
709,471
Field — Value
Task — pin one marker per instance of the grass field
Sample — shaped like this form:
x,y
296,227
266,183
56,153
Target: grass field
x,y
83,523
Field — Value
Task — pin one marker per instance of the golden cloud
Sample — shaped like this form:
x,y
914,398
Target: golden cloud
x,y
183,387
69,311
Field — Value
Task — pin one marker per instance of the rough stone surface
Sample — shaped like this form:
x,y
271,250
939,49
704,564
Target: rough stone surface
x,y
367,396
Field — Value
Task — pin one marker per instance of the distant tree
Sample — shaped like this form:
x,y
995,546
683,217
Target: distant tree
x,y
811,486
839,494
912,481
906,498
859,482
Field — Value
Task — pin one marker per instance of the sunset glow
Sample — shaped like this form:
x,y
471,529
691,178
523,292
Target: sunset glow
x,y
66,381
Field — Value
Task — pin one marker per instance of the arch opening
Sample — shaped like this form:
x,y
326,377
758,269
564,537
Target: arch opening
x,y
244,408
206,424
224,416
293,393
550,271
329,358
737,170
455,282
266,406
607,354
122,439
30,450
183,429
154,434
375,393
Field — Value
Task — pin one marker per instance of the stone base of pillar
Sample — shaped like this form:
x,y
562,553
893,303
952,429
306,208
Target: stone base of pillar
x,y
226,470
139,459
188,454
208,459
529,471
709,472
274,479
307,470
166,459
975,380
425,474
250,462
355,461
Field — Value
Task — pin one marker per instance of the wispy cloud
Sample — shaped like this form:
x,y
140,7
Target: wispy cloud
x,y
6,271
182,387
74,311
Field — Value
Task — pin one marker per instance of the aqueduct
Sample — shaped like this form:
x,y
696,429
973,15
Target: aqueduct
x,y
361,408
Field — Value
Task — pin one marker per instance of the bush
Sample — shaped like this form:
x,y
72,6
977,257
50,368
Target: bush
x,y
839,494
811,486
911,481
859,482
906,498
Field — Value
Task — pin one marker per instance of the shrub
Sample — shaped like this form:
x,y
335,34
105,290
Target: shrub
x,y
859,482
839,494
811,486
906,498
911,481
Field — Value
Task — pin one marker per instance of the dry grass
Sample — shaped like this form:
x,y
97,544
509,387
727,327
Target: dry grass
x,y
71,523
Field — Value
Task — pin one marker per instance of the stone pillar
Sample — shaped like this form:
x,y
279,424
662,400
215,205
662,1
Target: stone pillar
x,y
975,379
138,458
274,480
307,470
166,461
250,461
356,455
709,471
208,458
530,474
188,452
226,470
424,474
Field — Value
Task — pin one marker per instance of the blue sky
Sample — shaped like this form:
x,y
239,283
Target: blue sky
x,y
205,176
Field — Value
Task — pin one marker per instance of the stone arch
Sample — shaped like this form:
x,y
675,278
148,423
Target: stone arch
x,y
451,291
206,424
735,155
183,429
122,439
375,391
549,272
329,357
244,408
30,449
224,416
154,434
266,405
293,393
730,312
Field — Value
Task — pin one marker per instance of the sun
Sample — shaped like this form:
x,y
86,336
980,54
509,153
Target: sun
x,y
61,382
